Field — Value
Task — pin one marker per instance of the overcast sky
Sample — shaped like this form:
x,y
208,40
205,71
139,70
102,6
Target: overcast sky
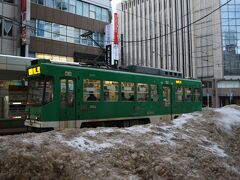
x,y
114,2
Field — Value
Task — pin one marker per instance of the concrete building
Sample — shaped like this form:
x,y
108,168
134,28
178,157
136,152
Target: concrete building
x,y
155,34
56,27
217,51
9,31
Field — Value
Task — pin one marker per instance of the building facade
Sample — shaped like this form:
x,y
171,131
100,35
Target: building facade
x,y
56,27
9,30
155,34
217,50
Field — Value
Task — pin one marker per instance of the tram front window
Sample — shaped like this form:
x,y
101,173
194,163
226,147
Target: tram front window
x,y
40,90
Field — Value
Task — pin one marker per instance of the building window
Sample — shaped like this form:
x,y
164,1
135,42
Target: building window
x,y
110,91
50,3
98,13
77,36
56,31
79,8
127,91
42,2
104,15
91,90
8,28
92,12
84,39
86,9
72,6
48,30
70,34
142,92
40,28
64,33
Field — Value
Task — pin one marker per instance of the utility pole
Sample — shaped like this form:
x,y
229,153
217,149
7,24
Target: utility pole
x,y
89,34
122,49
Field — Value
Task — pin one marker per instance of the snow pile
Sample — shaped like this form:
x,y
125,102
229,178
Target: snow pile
x,y
200,145
228,118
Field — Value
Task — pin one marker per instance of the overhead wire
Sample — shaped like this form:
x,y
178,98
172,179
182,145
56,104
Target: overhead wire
x,y
143,40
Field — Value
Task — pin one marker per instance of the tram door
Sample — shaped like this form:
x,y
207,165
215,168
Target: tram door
x,y
67,103
167,102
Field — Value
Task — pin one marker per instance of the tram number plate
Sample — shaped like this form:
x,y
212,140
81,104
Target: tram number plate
x,y
68,73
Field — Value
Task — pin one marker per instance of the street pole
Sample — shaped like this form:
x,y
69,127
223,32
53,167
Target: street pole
x,y
122,49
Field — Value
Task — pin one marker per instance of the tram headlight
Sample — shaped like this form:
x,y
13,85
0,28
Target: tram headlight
x,y
37,117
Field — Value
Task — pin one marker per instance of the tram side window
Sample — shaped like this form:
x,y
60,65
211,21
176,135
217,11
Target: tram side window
x,y
187,94
154,93
127,91
179,94
91,90
63,92
110,91
166,96
49,90
70,93
142,92
196,95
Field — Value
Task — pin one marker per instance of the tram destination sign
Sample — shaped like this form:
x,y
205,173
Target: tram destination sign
x,y
34,71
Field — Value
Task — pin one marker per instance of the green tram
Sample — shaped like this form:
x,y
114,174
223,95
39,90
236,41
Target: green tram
x,y
72,96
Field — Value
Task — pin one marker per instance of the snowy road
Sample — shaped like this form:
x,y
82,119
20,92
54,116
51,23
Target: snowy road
x,y
201,145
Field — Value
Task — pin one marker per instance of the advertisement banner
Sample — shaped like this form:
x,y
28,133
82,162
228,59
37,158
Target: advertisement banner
x,y
116,40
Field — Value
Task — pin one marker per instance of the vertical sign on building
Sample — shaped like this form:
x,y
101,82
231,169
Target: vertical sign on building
x,y
108,54
116,41
24,22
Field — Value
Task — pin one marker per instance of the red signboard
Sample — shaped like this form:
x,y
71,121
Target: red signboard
x,y
116,41
24,5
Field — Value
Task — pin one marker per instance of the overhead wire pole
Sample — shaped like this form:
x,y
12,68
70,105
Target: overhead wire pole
x,y
89,34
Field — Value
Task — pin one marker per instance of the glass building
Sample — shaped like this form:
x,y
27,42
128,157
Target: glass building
x,y
230,17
